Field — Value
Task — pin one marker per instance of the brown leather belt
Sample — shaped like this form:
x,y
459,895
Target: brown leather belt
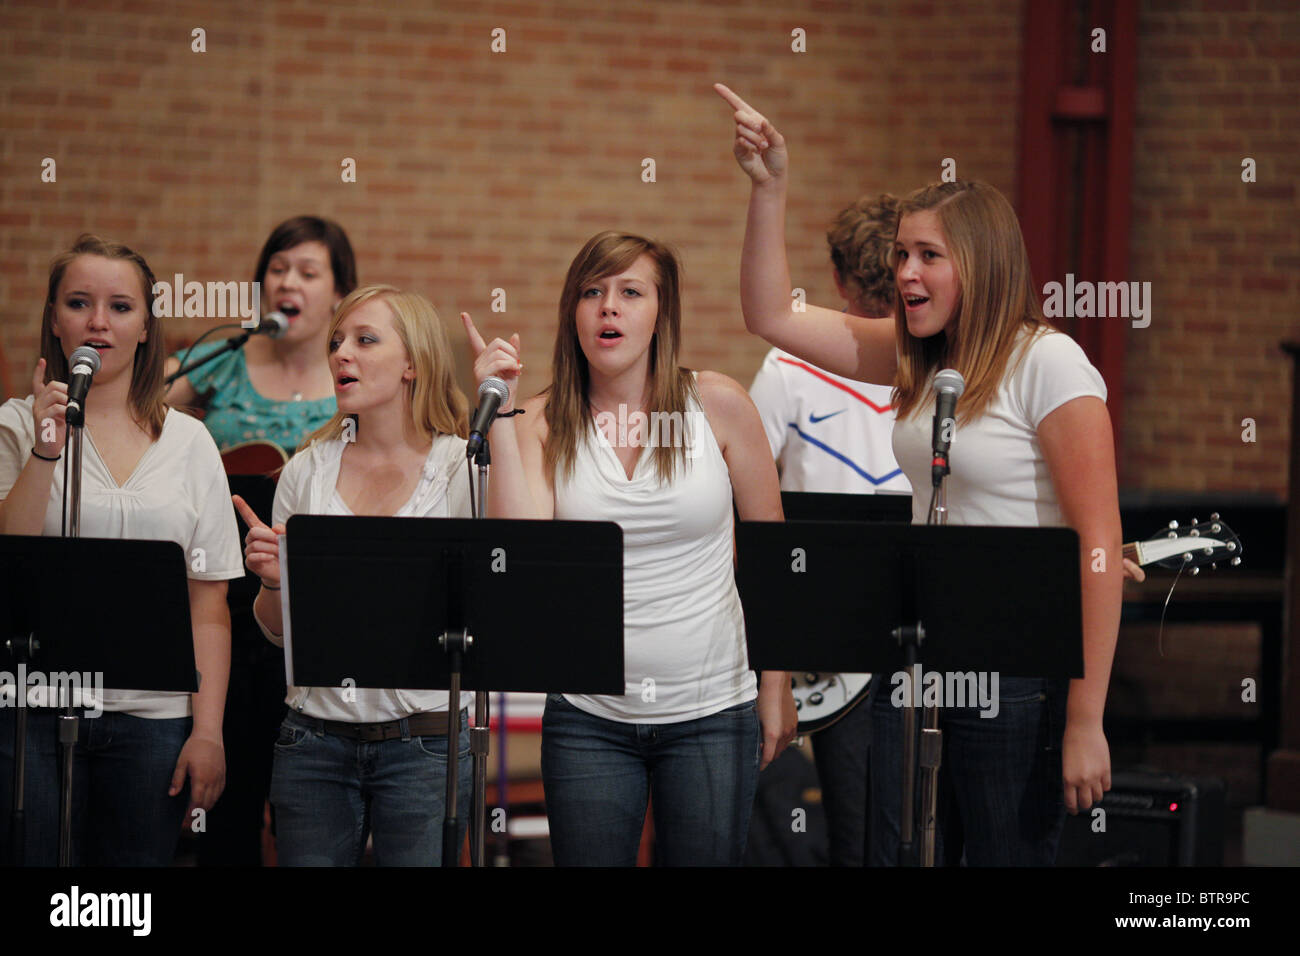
x,y
417,725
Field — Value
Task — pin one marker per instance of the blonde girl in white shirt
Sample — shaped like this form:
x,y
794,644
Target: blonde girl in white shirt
x,y
356,762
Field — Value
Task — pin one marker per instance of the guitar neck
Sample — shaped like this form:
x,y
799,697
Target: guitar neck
x,y
1130,551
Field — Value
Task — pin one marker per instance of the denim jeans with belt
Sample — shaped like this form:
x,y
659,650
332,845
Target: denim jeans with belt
x,y
1001,799
329,792
121,813
701,776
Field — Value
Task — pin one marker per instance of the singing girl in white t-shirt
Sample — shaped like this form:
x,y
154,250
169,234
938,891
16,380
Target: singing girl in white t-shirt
x,y
1036,450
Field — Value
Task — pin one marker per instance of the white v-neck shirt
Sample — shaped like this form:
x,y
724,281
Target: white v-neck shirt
x,y
309,485
177,492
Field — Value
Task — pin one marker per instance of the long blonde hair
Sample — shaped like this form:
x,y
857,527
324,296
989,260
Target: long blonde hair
x,y
568,409
438,406
147,395
996,297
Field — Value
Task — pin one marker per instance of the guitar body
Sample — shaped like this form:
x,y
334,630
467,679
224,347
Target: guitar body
x,y
822,699
254,458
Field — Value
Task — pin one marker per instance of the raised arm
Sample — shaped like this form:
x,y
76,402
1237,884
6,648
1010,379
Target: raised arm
x,y
847,345
519,488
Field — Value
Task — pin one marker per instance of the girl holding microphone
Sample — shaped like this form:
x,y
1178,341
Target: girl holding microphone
x,y
148,472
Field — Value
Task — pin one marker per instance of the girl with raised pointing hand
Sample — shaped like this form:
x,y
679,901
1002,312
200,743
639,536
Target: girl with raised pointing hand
x,y
363,760
1036,449
693,727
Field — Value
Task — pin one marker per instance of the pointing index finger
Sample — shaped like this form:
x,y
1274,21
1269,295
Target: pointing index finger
x,y
736,102
248,514
475,340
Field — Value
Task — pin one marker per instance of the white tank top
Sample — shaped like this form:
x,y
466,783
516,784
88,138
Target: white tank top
x,y
683,630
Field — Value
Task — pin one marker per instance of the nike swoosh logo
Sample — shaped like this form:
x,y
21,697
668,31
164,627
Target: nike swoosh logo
x,y
814,419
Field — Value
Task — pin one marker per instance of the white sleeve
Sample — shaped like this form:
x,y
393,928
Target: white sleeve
x,y
292,488
216,534
771,398
16,441
1054,371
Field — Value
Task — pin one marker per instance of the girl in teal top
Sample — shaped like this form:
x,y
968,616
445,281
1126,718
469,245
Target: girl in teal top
x,y
237,412
278,390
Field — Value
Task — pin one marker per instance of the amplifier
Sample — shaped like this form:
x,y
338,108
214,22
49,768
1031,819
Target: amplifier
x,y
1150,818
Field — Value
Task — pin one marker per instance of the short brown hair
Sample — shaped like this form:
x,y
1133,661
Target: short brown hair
x,y
300,229
861,240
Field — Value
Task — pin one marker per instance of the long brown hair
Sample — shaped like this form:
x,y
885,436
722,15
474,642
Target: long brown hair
x,y
568,409
147,395
438,406
996,297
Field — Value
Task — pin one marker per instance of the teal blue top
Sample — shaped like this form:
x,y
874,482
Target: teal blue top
x,y
239,413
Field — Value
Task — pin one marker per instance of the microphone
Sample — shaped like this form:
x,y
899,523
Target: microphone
x,y
948,387
84,363
273,324
491,394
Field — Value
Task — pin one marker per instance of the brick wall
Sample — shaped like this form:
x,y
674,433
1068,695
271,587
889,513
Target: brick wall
x,y
478,170
1217,82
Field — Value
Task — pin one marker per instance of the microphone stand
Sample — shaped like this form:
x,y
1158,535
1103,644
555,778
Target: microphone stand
x,y
232,343
22,651
931,735
70,722
479,733
931,742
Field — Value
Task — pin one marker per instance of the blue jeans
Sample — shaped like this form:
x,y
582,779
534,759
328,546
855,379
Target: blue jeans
x,y
1000,785
841,752
121,813
701,776
329,792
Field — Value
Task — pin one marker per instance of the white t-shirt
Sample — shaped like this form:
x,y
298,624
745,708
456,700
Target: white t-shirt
x,y
828,433
684,653
178,492
308,485
999,475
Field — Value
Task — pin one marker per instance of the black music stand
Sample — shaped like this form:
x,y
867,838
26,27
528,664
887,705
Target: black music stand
x,y
130,648
827,506
400,602
868,595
